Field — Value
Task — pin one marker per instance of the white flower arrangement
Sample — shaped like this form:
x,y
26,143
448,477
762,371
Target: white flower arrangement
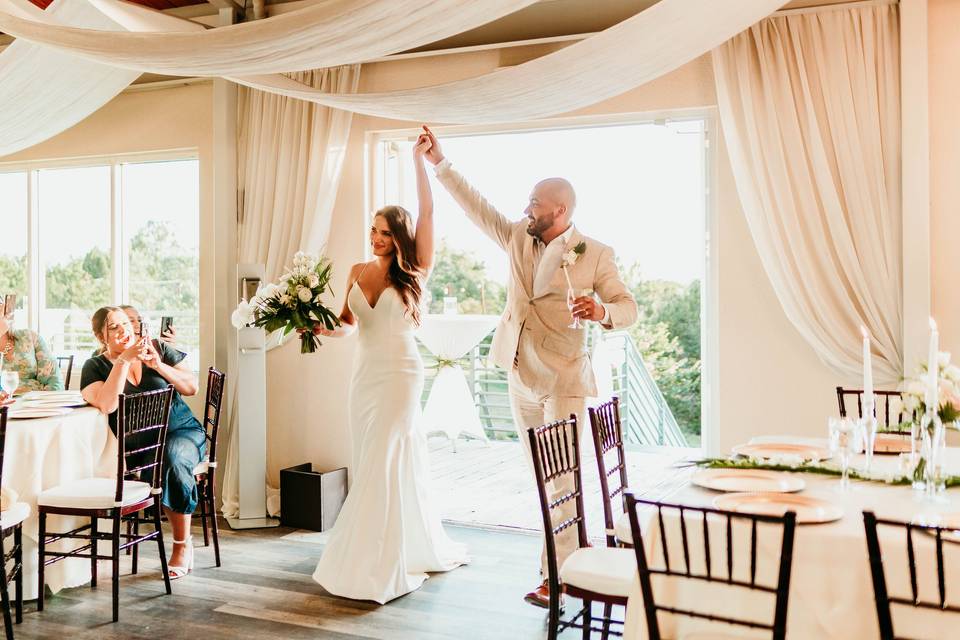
x,y
912,400
294,303
570,257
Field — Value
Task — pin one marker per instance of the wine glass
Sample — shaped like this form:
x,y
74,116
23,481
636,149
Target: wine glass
x,y
9,381
846,440
571,296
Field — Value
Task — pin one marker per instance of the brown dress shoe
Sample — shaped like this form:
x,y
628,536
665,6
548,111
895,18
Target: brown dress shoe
x,y
540,597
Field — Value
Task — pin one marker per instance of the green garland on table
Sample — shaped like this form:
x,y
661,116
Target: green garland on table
x,y
806,467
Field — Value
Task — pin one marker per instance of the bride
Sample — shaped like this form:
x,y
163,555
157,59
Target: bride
x,y
387,536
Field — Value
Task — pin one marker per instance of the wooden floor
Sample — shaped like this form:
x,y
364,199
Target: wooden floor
x,y
490,485
264,590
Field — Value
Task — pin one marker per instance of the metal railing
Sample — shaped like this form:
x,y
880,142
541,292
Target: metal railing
x,y
647,419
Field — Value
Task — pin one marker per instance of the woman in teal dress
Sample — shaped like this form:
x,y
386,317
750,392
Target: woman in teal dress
x,y
26,353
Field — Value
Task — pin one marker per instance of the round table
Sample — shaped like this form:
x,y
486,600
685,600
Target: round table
x,y
831,593
41,453
450,408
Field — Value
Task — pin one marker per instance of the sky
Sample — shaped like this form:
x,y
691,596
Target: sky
x,y
74,206
640,189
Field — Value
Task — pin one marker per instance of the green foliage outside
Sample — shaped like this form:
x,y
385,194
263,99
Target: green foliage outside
x,y
164,278
461,275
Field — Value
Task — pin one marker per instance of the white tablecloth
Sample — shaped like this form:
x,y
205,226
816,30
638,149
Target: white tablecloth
x,y
450,408
41,453
831,592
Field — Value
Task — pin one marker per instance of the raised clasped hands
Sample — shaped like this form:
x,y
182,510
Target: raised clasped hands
x,y
432,153
148,353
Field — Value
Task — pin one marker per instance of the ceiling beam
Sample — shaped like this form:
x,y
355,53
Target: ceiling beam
x,y
228,4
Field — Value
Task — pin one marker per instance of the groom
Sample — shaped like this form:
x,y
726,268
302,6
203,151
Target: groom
x,y
550,374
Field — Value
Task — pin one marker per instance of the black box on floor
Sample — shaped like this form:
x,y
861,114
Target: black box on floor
x,y
311,499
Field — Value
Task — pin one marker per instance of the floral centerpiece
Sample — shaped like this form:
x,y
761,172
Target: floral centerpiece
x,y
912,402
292,303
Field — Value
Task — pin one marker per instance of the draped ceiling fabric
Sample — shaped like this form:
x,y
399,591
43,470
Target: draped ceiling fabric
x,y
638,50
809,105
325,34
44,91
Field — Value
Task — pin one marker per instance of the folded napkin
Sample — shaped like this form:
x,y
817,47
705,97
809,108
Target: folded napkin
x,y
8,498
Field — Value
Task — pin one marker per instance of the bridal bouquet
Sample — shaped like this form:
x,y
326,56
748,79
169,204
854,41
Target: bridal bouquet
x,y
293,303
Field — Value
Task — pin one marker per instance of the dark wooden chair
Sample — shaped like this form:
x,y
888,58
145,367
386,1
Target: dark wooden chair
x,y
206,470
881,410
142,421
68,372
722,575
882,595
592,574
11,524
608,443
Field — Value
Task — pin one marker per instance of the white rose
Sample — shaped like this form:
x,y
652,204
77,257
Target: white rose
x,y
287,300
915,388
911,403
313,280
952,373
242,315
304,294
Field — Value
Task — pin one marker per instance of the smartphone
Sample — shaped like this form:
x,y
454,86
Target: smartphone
x,y
166,323
9,305
144,329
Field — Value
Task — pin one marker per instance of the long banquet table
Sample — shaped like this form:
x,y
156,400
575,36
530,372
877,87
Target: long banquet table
x,y
831,593
41,453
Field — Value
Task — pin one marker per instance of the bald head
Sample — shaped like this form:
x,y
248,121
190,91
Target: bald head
x,y
551,205
558,190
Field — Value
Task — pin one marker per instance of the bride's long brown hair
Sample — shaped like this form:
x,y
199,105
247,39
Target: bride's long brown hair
x,y
404,273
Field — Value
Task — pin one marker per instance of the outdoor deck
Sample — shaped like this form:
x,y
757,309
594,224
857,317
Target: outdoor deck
x,y
490,485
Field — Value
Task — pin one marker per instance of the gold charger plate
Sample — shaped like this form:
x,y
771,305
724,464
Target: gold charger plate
x,y
890,443
768,450
809,510
747,480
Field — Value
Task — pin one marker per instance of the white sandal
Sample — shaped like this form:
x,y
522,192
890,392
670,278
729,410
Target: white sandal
x,y
176,571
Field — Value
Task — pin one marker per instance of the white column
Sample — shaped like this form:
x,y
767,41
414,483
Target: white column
x,y
915,136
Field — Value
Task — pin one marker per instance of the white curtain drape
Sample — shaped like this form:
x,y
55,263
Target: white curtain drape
x,y
654,42
44,91
324,34
809,105
289,161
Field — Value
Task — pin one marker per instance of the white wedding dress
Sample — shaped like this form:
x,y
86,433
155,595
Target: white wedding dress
x,y
387,536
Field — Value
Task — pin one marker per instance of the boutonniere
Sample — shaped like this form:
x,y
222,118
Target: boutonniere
x,y
570,258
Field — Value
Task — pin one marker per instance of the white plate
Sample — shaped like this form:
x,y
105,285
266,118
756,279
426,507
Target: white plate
x,y
20,414
747,480
774,450
53,402
38,395
809,510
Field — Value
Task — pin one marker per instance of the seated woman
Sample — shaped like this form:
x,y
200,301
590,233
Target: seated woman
x,y
26,353
136,320
132,364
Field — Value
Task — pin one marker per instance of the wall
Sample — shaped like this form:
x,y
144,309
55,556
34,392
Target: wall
x,y
944,60
145,121
766,369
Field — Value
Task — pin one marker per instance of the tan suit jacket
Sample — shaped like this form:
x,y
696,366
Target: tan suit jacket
x,y
551,358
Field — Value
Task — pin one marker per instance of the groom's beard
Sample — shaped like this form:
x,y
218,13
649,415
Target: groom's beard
x,y
536,228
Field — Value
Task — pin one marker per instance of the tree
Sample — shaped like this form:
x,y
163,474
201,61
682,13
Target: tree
x,y
13,275
163,275
462,275
667,334
80,282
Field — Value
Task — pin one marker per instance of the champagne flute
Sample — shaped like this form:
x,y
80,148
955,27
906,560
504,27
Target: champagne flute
x,y
571,296
845,441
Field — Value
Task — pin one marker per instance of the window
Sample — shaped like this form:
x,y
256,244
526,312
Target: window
x,y
14,276
115,232
74,233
